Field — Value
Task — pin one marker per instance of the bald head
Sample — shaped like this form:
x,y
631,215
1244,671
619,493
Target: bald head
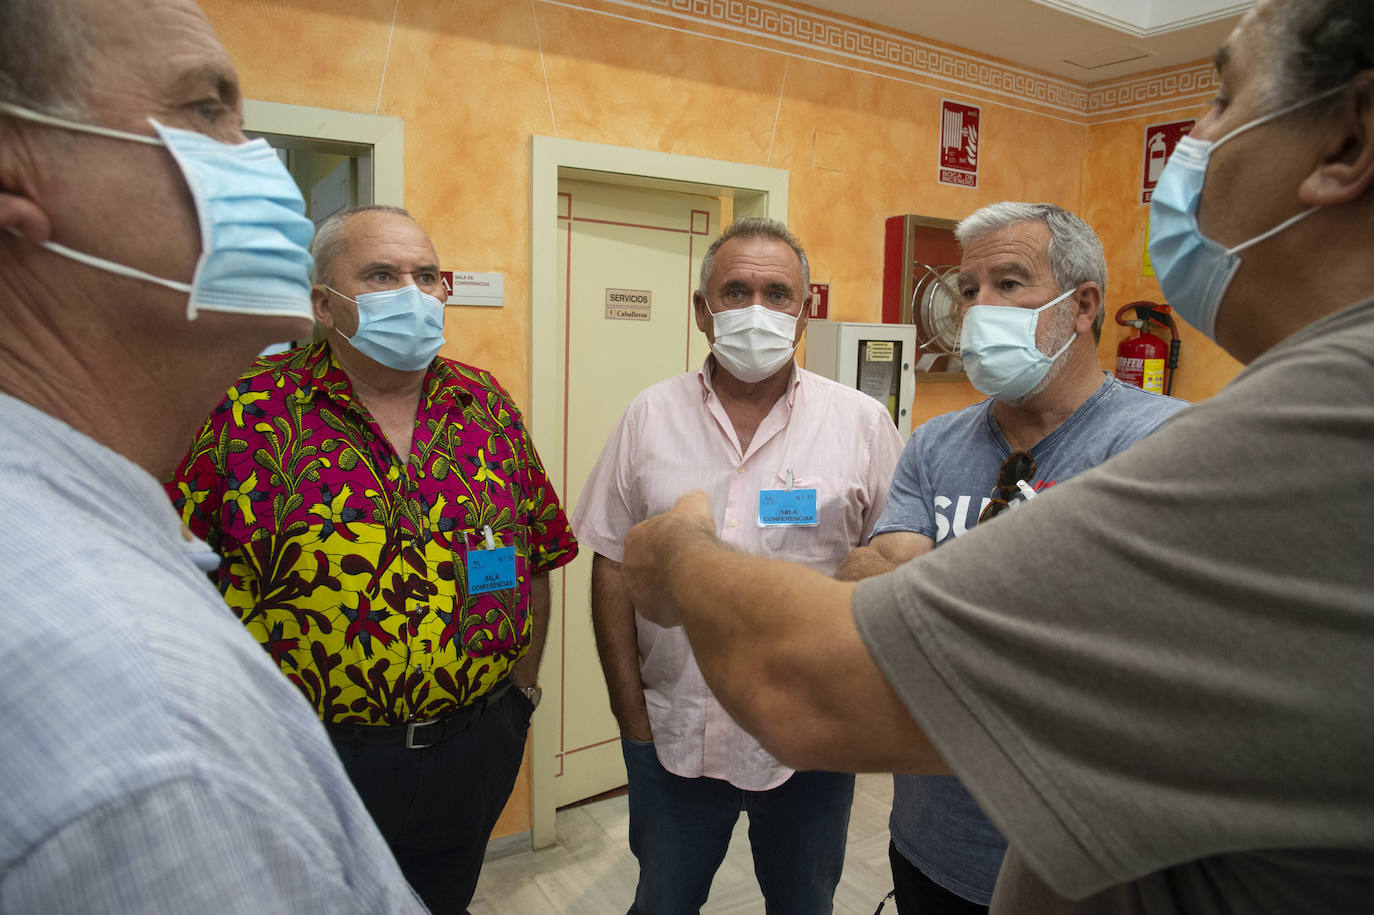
x,y
331,239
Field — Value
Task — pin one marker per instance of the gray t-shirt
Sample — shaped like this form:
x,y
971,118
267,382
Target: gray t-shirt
x,y
941,486
155,759
1157,681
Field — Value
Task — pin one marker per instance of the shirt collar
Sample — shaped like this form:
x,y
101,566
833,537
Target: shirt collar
x,y
320,373
708,388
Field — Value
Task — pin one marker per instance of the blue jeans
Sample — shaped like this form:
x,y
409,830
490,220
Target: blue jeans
x,y
680,830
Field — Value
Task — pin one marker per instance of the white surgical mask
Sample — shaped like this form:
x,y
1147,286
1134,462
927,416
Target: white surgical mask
x,y
754,342
401,328
254,234
997,344
1193,270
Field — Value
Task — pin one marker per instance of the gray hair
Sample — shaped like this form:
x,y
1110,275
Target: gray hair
x,y
329,241
1075,252
44,46
1318,45
755,227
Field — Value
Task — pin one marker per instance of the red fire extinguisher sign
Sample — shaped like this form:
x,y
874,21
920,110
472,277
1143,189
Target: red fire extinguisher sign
x,y
1160,140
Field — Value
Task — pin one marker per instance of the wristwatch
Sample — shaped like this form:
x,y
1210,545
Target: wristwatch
x,y
533,693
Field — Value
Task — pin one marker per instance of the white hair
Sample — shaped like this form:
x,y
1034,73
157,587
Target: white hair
x,y
1075,252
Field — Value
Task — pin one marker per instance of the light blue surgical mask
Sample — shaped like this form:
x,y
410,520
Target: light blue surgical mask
x,y
1194,271
253,231
401,328
997,344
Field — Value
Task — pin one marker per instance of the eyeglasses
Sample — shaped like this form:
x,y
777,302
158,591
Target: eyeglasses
x,y
1016,470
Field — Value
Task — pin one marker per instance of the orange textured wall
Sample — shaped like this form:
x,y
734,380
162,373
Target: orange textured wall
x,y
475,79
469,81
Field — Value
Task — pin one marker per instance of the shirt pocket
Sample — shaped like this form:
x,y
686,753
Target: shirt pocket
x,y
493,622
839,517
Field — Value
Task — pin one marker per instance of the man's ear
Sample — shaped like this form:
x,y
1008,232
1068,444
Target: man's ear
x,y
21,210
1346,169
703,313
1089,299
319,305
803,317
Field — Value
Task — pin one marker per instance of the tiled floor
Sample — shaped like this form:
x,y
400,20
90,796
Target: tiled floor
x,y
591,871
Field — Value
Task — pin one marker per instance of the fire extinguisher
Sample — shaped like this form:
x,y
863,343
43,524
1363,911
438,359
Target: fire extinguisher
x,y
1145,360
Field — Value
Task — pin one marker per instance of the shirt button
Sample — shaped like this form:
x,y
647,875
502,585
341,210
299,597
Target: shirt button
x,y
734,522
740,470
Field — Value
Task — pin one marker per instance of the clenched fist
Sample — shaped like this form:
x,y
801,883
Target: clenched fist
x,y
655,550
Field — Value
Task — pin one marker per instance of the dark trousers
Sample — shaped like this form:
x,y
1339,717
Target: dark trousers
x,y
680,831
917,894
436,806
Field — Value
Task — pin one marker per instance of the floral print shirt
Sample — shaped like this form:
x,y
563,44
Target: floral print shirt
x,y
349,564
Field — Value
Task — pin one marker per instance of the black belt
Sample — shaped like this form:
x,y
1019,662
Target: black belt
x,y
417,735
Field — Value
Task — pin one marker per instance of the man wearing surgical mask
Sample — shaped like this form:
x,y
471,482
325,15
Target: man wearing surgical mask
x,y
1032,280
154,760
385,530
799,466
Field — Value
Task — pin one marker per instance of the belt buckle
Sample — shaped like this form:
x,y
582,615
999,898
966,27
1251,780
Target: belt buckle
x,y
413,726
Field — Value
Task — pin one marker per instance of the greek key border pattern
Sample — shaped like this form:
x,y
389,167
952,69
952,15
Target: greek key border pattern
x,y
891,49
1173,84
873,45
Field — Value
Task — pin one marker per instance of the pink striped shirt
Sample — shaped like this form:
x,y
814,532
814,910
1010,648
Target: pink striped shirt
x,y
675,437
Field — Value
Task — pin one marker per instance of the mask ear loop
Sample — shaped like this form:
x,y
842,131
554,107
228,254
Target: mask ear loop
x,y
1072,336
90,260
1287,109
1274,231
338,293
25,114
108,266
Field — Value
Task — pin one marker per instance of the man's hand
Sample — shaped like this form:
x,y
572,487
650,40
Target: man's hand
x,y
652,547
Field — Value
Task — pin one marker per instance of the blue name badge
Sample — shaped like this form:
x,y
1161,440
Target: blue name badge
x,y
787,508
491,570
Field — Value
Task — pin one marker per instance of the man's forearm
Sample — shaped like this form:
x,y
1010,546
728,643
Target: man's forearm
x,y
863,562
617,644
883,554
525,672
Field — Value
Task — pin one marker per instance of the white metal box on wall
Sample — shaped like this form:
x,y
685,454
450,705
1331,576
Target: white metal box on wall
x,y
875,358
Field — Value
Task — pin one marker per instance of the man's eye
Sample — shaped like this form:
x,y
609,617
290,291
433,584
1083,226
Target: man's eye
x,y
209,110
381,276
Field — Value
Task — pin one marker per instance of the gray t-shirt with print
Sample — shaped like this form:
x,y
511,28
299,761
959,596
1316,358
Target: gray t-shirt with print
x,y
942,483
1157,680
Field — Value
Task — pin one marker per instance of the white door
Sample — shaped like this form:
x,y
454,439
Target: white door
x,y
639,250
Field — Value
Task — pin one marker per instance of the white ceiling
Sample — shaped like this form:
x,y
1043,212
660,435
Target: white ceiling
x,y
1105,39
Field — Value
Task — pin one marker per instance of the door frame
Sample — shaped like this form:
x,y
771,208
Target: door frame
x,y
756,190
386,136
